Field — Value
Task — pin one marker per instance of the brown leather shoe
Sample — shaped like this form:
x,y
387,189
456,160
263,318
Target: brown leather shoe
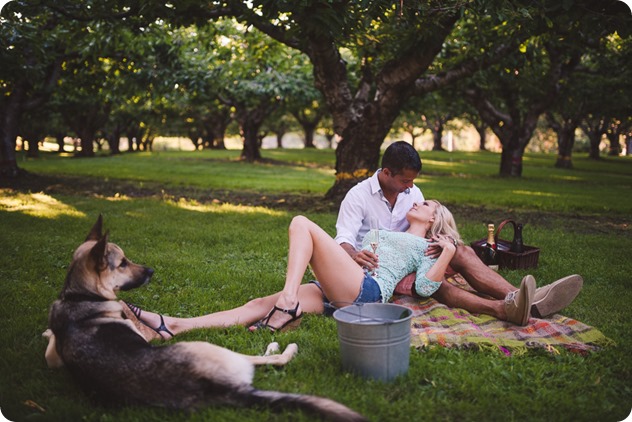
x,y
518,303
556,296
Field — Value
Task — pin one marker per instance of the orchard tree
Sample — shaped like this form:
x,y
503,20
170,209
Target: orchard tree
x,y
195,99
305,102
430,113
511,97
31,52
370,58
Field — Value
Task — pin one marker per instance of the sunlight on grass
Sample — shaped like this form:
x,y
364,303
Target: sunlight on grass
x,y
530,193
36,205
225,208
451,164
116,197
569,178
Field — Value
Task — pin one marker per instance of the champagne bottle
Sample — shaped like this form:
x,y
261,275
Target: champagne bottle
x,y
516,245
490,255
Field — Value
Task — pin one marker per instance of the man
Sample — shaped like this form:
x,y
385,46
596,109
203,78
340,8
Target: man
x,y
388,195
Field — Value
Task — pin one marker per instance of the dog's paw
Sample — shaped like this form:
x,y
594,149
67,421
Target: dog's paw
x,y
273,349
291,349
48,333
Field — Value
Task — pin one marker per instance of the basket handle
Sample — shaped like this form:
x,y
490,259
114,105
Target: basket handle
x,y
500,227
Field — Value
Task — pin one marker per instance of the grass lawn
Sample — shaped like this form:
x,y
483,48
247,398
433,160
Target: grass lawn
x,y
214,229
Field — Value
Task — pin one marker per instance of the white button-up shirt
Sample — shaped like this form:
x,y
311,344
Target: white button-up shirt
x,y
366,200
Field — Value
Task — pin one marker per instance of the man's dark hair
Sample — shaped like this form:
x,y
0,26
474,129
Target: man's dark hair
x,y
400,156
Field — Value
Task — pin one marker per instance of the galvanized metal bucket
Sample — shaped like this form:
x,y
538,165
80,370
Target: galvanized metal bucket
x,y
374,339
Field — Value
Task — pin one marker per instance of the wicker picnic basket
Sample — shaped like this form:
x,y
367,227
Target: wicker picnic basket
x,y
528,258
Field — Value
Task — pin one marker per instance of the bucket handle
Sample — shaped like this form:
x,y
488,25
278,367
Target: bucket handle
x,y
371,319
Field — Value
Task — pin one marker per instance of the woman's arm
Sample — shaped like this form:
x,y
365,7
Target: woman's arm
x,y
448,249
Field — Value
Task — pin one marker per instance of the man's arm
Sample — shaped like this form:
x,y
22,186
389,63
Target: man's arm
x,y
365,259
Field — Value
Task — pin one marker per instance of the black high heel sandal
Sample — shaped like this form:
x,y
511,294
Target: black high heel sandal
x,y
162,328
290,324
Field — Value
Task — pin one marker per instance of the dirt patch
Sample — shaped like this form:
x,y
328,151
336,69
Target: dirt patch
x,y
296,203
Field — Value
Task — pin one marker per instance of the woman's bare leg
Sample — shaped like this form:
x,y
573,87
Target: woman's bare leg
x,y
309,295
339,275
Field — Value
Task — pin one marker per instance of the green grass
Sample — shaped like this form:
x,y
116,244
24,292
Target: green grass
x,y
463,177
210,257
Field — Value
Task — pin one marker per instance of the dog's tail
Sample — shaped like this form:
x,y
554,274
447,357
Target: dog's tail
x,y
328,409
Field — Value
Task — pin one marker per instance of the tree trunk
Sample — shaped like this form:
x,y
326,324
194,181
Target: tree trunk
x,y
114,141
18,102
87,143
594,127
565,143
615,146
357,155
279,139
437,135
218,127
309,128
134,137
9,133
196,140
60,142
219,142
511,161
362,117
330,139
250,121
482,133
594,141
250,132
309,137
564,127
33,147
514,139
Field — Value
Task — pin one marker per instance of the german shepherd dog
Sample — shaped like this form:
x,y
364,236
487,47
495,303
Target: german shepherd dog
x,y
106,353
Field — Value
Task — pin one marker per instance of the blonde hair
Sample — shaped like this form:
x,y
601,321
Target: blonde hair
x,y
444,223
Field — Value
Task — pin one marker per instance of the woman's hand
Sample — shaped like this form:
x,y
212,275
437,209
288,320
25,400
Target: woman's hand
x,y
444,248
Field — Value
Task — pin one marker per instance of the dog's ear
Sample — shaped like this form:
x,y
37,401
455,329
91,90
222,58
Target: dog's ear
x,y
96,232
98,253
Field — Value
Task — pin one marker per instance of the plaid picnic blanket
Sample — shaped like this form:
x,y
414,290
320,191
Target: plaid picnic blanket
x,y
435,324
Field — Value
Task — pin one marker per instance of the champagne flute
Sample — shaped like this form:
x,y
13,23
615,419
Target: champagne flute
x,y
374,236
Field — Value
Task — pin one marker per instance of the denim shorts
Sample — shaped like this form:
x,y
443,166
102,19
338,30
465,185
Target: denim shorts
x,y
369,293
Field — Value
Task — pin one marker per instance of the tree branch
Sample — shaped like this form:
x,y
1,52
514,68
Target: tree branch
x,y
464,69
486,109
241,12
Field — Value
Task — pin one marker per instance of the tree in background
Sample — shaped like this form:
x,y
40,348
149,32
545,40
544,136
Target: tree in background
x,y
369,58
32,50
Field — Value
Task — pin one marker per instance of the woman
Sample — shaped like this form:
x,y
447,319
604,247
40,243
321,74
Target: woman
x,y
342,281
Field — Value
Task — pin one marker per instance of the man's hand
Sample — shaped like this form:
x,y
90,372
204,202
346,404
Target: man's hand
x,y
437,245
365,259
434,250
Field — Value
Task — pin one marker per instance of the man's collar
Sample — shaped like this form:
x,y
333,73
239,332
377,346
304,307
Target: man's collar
x,y
375,182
